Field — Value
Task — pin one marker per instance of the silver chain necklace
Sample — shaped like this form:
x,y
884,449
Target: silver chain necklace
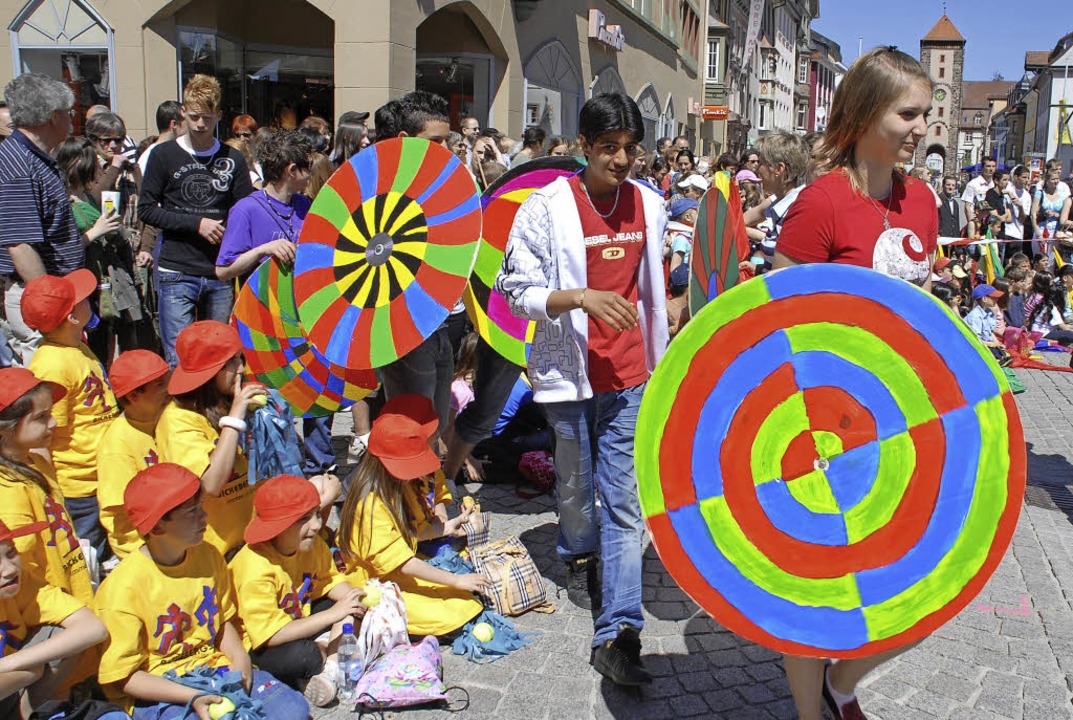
x,y
884,215
593,205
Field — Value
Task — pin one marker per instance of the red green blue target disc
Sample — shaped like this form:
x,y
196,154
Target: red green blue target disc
x,y
386,251
505,332
829,462
280,356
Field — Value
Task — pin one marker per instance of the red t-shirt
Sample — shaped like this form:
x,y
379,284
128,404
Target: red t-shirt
x,y
830,222
613,250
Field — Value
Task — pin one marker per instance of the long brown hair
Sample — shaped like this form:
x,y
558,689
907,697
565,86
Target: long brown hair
x,y
372,481
206,400
10,417
874,82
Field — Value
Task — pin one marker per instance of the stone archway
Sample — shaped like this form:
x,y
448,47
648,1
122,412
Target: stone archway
x,y
553,87
608,81
935,158
648,104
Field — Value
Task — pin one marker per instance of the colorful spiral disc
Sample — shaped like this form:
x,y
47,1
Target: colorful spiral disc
x,y
829,462
386,251
720,243
279,355
505,332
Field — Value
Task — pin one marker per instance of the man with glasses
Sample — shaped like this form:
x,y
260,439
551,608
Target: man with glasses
x,y
189,186
38,235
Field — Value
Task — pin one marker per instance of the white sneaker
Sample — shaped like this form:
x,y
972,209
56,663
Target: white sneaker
x,y
320,690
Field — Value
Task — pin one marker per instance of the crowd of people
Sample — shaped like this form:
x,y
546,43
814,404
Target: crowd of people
x,y
136,555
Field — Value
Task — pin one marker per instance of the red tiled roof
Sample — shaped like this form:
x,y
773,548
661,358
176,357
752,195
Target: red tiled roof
x,y
975,94
944,31
1037,57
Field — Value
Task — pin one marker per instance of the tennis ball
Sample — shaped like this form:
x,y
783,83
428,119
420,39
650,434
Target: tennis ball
x,y
258,401
220,709
483,632
372,595
468,502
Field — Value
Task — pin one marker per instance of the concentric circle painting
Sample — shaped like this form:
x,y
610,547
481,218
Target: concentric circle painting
x,y
386,251
280,356
829,462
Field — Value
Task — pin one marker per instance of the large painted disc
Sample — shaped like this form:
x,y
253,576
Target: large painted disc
x,y
386,251
505,332
720,243
829,462
280,356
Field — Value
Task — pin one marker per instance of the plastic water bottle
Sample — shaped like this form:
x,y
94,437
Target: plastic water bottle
x,y
349,666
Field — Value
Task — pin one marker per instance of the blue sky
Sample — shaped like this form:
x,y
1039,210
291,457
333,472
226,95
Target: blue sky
x,y
998,31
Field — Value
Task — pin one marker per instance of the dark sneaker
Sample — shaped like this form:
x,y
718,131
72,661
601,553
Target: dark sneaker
x,y
582,584
619,660
848,711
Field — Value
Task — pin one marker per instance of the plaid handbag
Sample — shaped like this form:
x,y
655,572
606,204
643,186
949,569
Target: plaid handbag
x,y
517,585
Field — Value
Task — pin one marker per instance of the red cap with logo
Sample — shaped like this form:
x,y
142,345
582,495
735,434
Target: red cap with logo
x,y
203,349
47,300
156,491
278,504
16,382
134,368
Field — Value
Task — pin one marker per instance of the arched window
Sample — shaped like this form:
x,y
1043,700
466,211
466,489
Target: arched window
x,y
668,125
70,41
553,90
608,81
648,104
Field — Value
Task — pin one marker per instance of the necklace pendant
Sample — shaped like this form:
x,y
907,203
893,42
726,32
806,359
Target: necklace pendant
x,y
886,223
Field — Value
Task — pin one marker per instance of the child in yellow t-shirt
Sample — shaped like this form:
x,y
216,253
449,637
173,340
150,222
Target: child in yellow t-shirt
x,y
201,428
388,510
289,591
140,382
34,660
59,308
28,489
170,605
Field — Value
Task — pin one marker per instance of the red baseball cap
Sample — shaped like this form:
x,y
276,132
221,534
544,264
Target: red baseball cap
x,y
7,533
401,443
156,491
941,263
47,300
278,504
134,368
416,407
203,349
16,382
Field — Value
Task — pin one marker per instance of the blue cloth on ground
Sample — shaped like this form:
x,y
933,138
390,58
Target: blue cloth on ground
x,y
506,639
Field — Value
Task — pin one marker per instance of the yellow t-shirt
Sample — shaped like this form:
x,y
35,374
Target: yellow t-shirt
x,y
188,439
81,417
379,550
127,448
164,618
32,606
52,556
274,589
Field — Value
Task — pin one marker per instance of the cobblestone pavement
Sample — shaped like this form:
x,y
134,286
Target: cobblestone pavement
x,y
1008,655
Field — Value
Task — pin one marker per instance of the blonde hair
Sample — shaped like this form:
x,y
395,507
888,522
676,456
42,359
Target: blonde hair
x,y
202,93
874,82
372,482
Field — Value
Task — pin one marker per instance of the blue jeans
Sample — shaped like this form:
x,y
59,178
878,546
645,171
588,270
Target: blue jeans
x,y
184,299
277,701
317,452
594,456
86,517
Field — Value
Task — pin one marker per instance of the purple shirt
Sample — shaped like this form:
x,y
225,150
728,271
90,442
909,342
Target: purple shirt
x,y
258,219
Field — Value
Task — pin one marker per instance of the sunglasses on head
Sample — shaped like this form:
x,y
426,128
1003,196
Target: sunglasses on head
x,y
244,134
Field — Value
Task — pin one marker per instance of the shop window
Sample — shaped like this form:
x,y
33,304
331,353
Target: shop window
x,y
69,41
553,82
279,86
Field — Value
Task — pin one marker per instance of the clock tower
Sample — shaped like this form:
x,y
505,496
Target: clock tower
x,y
942,53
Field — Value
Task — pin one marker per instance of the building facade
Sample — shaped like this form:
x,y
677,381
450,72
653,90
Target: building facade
x,y
981,100
824,70
942,53
1049,107
510,63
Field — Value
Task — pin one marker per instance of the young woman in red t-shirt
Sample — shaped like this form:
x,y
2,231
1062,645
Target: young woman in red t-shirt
x,y
863,212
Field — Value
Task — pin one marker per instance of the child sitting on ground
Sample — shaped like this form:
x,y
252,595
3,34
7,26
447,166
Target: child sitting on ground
x,y
140,382
59,308
289,591
170,606
34,659
981,319
1015,303
201,427
28,489
388,510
